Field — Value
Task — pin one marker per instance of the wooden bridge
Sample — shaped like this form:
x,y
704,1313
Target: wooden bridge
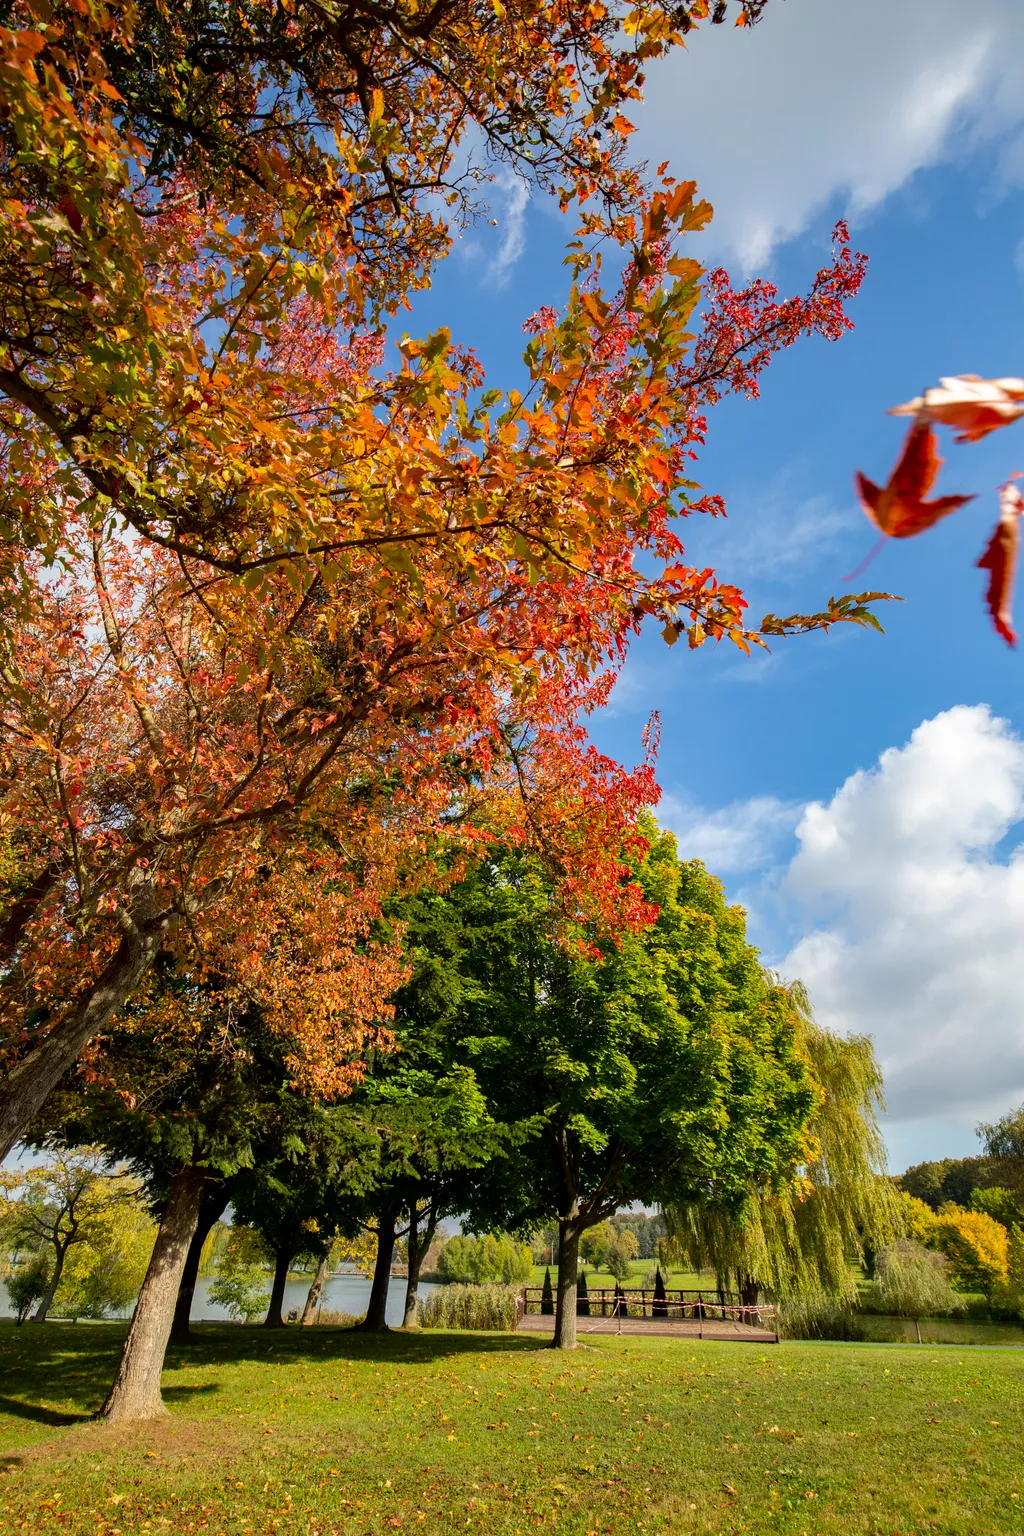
x,y
697,1314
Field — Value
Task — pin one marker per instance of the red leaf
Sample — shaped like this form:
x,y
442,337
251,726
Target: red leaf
x,y
899,508
1000,560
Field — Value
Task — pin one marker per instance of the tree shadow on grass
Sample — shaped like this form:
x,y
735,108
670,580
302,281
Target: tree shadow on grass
x,y
82,1359
226,1343
185,1394
56,1418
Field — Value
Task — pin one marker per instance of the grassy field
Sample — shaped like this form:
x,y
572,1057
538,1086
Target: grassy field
x,y
325,1431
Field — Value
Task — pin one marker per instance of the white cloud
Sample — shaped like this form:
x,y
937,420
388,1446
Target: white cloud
x,y
774,531
921,913
513,219
828,100
735,839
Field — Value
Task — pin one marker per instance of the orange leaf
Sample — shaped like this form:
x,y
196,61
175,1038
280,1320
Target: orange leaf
x,y
975,405
1000,560
899,508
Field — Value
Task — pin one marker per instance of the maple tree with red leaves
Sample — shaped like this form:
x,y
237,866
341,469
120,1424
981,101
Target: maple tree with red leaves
x,y
282,617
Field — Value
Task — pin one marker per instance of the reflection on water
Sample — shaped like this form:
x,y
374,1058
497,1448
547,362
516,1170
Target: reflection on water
x,y
345,1293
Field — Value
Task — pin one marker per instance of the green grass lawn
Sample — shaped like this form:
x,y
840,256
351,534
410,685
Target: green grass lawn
x,y
325,1431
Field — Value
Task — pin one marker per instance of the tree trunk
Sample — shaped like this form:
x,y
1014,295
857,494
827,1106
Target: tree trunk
x,y
376,1320
568,1268
211,1209
28,1085
320,1279
136,1390
283,1258
418,1248
51,1289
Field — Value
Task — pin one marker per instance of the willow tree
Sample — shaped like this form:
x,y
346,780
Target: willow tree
x,y
799,1240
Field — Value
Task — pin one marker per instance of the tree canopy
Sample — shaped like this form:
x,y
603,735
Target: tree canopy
x,y
661,1064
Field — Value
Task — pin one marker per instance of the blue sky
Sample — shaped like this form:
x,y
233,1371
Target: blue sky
x,y
864,796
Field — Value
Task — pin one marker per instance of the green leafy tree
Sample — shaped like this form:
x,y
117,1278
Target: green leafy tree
x,y
195,1092
1002,1204
1004,1147
596,1242
490,1259
27,1284
620,1254
60,1205
623,1073
950,1179
243,1292
102,1277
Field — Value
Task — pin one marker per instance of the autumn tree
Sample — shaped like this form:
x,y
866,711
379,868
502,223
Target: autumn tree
x,y
975,1245
195,1093
340,147
257,579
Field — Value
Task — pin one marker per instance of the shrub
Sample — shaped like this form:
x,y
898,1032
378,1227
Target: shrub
x,y
820,1318
26,1285
324,1319
487,1307
486,1260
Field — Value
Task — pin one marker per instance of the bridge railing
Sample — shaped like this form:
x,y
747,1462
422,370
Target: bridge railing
x,y
641,1302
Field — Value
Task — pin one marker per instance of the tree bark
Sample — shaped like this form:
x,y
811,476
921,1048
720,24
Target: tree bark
x,y
39,1315
320,1279
136,1390
376,1320
29,1084
568,1269
211,1209
283,1258
418,1248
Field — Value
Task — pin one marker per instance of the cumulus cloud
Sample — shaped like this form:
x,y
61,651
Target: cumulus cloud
x,y
915,873
827,100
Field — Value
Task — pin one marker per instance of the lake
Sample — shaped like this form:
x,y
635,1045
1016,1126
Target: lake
x,y
344,1293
